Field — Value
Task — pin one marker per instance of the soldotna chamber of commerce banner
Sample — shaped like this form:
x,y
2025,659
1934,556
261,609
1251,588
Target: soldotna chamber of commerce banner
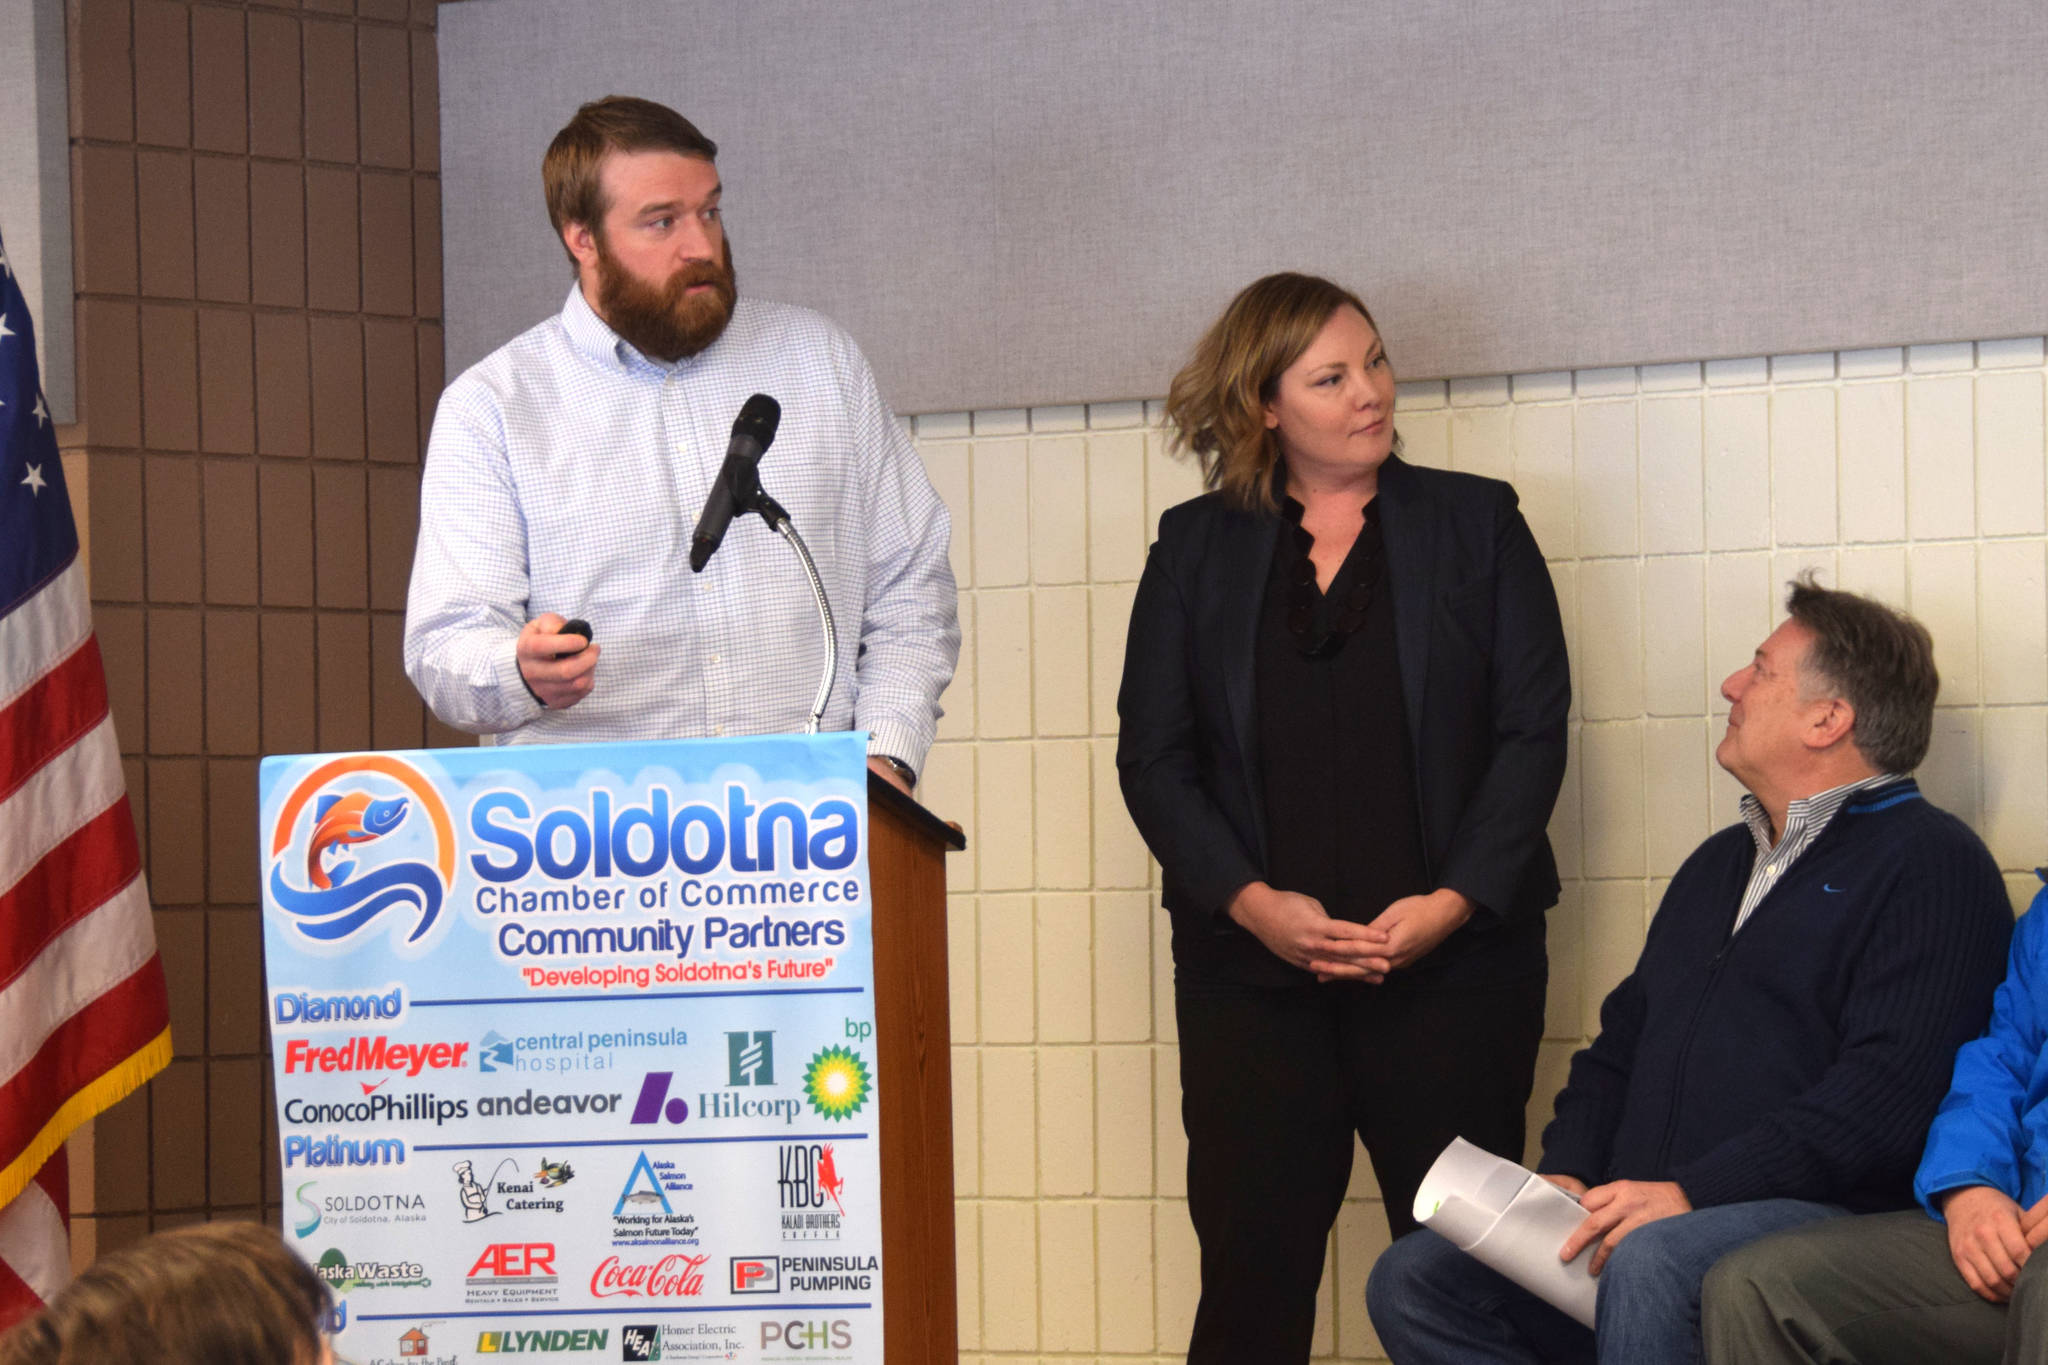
x,y
574,1048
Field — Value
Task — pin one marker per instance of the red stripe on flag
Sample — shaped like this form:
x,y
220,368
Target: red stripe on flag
x,y
55,1178
72,880
18,1302
51,715
82,1048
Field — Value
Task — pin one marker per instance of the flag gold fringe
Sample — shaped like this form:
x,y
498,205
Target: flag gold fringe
x,y
102,1093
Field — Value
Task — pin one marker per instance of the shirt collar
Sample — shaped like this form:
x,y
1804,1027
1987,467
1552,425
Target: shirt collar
x,y
593,336
1821,806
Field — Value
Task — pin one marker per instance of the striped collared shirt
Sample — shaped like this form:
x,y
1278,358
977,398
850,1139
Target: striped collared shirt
x,y
565,474
1804,820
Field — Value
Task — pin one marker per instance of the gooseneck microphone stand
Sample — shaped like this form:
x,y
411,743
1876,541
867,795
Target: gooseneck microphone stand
x,y
756,499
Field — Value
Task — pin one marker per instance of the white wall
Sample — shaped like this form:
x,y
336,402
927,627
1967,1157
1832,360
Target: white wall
x,y
1672,501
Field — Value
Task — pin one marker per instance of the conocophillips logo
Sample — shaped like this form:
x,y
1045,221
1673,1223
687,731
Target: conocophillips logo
x,y
375,796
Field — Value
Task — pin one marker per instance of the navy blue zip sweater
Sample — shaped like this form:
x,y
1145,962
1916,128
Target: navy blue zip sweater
x,y
1802,1058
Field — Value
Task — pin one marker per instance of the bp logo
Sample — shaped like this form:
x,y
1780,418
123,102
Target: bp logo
x,y
837,1083
366,809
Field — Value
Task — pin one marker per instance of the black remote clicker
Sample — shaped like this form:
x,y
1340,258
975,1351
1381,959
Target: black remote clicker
x,y
576,627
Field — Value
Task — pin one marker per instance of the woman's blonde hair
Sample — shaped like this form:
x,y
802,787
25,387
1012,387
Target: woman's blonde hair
x,y
1217,402
209,1294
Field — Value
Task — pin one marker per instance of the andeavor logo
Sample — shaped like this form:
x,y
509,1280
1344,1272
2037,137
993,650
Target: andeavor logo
x,y
383,807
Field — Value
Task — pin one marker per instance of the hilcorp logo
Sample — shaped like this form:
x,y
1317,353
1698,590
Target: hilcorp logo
x,y
565,842
371,800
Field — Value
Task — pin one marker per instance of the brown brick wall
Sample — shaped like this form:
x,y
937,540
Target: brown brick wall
x,y
256,208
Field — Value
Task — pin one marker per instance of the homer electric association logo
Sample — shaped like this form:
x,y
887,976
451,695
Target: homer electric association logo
x,y
358,837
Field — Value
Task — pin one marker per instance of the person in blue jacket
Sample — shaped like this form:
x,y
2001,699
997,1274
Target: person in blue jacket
x,y
1960,1287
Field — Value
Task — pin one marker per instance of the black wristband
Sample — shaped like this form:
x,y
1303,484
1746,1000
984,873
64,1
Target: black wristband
x,y
903,770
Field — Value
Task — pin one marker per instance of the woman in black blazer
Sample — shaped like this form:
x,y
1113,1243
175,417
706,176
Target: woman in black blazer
x,y
1343,731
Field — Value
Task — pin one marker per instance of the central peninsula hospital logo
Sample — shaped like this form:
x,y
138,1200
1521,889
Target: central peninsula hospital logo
x,y
357,837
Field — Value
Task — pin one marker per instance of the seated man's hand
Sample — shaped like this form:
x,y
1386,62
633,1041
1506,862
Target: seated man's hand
x,y
1985,1239
1615,1210
2034,1222
559,683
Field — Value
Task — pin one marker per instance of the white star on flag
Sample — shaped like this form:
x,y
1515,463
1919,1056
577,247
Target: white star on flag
x,y
34,479
5,268
42,413
4,333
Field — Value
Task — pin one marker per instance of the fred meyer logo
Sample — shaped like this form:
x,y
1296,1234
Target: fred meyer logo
x,y
375,1054
555,1339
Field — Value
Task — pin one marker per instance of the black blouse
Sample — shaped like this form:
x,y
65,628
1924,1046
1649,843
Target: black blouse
x,y
1334,756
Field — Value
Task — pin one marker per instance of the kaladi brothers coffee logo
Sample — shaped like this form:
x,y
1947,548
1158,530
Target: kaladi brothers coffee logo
x,y
358,837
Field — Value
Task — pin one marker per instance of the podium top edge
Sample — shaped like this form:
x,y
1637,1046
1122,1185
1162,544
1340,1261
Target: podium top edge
x,y
883,792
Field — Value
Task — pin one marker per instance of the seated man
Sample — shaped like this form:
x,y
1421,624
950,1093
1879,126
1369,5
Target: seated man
x,y
1784,1038
1903,1287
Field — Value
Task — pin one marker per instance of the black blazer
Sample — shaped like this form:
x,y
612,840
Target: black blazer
x,y
1483,675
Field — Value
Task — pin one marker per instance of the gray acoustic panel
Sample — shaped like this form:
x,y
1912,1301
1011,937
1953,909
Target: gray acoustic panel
x,y
1044,201
35,184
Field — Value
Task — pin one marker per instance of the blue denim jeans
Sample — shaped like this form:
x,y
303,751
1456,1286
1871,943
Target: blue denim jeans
x,y
1433,1305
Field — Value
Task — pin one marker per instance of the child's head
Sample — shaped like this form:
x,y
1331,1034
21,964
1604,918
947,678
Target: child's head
x,y
211,1294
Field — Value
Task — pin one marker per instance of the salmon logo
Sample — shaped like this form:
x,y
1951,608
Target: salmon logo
x,y
386,809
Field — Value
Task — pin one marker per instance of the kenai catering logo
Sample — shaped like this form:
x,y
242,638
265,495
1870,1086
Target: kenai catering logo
x,y
364,809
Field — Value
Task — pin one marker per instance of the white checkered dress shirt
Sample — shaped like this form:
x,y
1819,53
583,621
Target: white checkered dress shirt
x,y
565,473
1804,820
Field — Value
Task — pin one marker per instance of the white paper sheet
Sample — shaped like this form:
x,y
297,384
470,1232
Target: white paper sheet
x,y
1511,1220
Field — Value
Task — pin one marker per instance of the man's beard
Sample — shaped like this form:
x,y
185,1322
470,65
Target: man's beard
x,y
666,321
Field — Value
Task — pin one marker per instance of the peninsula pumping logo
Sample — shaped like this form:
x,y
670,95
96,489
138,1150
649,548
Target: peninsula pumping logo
x,y
357,837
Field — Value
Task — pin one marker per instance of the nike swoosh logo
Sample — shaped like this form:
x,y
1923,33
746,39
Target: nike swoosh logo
x,y
1835,889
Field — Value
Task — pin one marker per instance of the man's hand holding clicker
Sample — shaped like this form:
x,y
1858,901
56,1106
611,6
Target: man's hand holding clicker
x,y
559,669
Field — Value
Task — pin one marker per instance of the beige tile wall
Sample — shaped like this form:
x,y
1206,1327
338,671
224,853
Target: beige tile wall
x,y
1673,502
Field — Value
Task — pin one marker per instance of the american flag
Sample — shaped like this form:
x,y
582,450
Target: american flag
x,y
83,1015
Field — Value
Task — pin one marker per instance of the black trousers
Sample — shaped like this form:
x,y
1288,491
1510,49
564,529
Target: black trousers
x,y
1274,1082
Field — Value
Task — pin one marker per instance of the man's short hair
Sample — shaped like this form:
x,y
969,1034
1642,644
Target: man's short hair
x,y
1880,661
616,123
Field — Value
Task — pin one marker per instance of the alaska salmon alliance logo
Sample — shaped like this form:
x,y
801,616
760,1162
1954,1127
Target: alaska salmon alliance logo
x,y
357,802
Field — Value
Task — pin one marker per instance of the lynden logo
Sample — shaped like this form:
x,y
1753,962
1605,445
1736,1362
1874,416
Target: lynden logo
x,y
640,1343
548,1339
750,1058
325,897
756,1275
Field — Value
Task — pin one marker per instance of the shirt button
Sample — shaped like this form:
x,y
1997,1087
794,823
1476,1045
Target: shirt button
x,y
718,658
718,729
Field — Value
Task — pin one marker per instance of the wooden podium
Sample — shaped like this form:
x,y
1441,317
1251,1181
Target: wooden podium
x,y
907,847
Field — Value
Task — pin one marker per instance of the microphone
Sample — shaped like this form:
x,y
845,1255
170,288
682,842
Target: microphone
x,y
738,481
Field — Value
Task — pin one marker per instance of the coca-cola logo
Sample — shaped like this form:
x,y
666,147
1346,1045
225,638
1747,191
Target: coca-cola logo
x,y
675,1276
